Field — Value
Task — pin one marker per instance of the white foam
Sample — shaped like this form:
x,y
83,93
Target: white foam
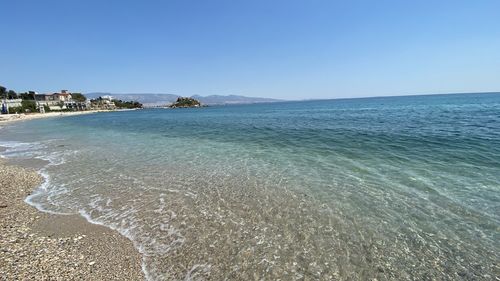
x,y
123,221
124,232
19,149
36,150
44,187
16,144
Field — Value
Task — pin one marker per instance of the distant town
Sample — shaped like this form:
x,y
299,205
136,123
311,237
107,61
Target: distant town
x,y
33,102
13,102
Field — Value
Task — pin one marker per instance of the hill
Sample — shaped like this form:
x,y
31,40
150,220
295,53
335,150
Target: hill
x,y
185,102
230,99
152,99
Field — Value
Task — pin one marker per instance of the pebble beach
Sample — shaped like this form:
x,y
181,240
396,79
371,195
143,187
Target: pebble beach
x,y
42,246
8,118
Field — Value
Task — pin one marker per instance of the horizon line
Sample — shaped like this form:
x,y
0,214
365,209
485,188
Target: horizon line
x,y
305,99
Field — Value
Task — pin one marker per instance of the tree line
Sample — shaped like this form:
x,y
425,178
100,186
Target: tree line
x,y
11,94
127,104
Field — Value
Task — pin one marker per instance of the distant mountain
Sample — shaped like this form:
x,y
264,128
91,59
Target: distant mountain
x,y
148,100
152,100
231,99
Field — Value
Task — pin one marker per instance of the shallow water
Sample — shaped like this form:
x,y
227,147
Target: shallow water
x,y
386,188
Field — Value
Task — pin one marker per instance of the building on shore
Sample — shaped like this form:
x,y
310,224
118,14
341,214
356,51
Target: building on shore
x,y
103,102
12,102
53,98
8,104
60,101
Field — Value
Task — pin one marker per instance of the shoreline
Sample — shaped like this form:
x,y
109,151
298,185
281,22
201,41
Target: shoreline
x,y
9,118
36,244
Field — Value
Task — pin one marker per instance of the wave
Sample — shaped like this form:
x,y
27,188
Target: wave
x,y
40,198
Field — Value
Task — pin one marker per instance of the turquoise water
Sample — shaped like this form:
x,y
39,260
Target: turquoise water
x,y
387,188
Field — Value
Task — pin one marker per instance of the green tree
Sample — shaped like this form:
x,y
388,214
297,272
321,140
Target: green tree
x,y
78,97
29,105
127,104
3,92
11,94
26,96
186,102
15,109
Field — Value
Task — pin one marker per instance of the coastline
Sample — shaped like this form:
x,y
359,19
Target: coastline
x,y
8,118
38,245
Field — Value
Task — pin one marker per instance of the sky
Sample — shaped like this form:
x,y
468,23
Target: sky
x,y
280,49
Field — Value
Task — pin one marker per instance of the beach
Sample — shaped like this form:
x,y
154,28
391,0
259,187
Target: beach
x,y
41,246
8,118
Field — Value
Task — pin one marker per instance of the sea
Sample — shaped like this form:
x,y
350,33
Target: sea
x,y
385,188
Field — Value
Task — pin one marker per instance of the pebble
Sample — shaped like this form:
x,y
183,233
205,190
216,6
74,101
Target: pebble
x,y
26,254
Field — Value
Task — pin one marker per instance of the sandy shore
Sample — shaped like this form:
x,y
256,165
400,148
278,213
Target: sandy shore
x,y
7,118
41,246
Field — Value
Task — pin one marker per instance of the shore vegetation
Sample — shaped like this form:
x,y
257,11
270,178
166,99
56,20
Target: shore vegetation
x,y
127,104
185,102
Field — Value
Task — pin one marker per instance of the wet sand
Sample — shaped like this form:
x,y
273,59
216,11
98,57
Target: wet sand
x,y
41,246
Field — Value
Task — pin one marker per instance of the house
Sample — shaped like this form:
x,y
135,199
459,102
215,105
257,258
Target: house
x,y
76,106
6,105
60,101
55,98
107,97
13,103
103,102
63,96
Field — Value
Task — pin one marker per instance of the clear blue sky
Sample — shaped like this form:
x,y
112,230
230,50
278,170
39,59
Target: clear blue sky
x,y
282,49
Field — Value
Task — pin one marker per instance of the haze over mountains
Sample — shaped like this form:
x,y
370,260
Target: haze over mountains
x,y
153,100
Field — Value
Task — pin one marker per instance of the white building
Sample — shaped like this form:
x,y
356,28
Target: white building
x,y
107,97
